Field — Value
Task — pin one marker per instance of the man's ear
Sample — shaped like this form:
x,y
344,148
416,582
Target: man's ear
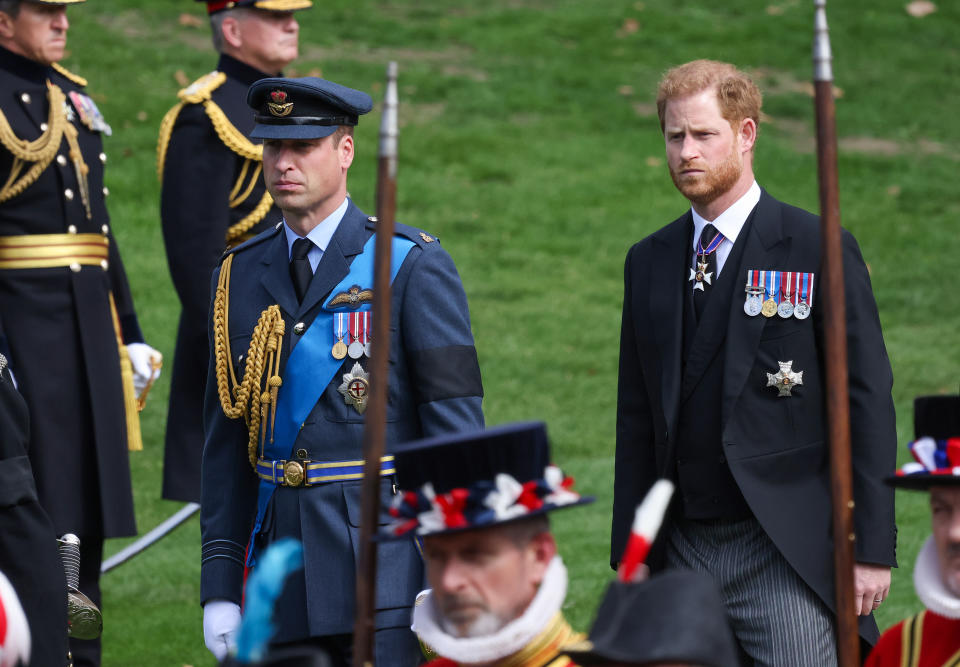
x,y
748,134
232,32
7,28
345,151
543,548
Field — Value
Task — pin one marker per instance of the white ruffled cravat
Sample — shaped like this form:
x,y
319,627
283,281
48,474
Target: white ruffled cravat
x,y
510,639
931,590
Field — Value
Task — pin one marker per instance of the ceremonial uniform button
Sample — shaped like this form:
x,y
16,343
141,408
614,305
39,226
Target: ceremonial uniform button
x,y
25,98
103,157
106,191
62,161
72,229
44,127
372,218
68,193
299,328
75,267
302,453
104,264
104,229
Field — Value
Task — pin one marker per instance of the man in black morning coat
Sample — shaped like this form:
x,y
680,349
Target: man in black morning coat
x,y
64,297
711,395
212,197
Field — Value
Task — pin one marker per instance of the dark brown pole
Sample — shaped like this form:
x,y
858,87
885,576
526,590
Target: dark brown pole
x,y
374,432
833,302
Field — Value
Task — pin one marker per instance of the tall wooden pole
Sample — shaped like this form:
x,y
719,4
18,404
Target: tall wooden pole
x,y
833,302
374,433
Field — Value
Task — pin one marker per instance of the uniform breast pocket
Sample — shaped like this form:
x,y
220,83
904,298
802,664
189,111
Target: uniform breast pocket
x,y
776,328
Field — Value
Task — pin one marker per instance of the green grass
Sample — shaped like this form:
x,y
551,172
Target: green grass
x,y
530,146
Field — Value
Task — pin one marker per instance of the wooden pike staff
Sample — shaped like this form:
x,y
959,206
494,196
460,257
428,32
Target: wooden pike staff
x,y
835,338
374,432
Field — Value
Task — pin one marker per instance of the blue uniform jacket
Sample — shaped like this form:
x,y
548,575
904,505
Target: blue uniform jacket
x,y
434,387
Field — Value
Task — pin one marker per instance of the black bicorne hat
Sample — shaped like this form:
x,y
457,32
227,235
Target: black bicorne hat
x,y
477,479
936,445
676,616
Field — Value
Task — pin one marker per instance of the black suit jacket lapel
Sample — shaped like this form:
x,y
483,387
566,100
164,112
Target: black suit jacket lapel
x,y
767,248
668,280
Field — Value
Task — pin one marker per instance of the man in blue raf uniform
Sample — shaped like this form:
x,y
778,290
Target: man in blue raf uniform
x,y
212,197
287,387
67,322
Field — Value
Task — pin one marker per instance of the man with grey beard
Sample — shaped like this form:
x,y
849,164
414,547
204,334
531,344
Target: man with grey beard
x,y
479,501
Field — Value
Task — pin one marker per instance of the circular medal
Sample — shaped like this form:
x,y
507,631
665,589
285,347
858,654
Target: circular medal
x,y
367,349
769,308
785,309
339,350
753,305
802,311
355,350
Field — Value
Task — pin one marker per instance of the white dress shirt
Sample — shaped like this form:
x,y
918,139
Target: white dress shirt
x,y
319,235
729,223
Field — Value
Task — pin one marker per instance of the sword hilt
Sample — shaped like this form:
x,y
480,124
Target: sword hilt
x,y
69,545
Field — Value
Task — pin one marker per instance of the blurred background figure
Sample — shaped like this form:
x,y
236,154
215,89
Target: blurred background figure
x,y
14,630
67,321
479,500
932,637
212,197
675,619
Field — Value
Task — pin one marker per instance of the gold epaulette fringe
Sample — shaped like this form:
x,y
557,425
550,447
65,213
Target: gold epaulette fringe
x,y
67,74
250,398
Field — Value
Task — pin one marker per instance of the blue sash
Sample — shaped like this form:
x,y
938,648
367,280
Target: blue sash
x,y
311,367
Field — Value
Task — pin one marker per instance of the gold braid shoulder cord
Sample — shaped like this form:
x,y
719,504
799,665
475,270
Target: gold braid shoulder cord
x,y
247,400
41,151
200,93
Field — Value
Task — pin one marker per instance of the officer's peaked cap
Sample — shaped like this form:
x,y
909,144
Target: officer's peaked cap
x,y
305,108
215,6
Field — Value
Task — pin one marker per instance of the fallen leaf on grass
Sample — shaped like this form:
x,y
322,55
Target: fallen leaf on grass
x,y
894,190
141,116
653,161
315,71
775,10
645,110
190,21
920,8
625,90
181,78
629,27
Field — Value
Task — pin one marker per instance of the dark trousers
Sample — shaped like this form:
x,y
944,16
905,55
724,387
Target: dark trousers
x,y
395,647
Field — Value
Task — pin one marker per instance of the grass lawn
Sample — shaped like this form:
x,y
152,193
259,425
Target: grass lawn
x,y
530,145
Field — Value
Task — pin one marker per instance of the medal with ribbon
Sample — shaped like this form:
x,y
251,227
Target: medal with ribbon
x,y
785,307
753,304
771,287
802,311
355,349
701,275
367,332
339,350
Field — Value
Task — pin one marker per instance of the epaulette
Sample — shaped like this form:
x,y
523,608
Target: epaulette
x,y
67,74
418,236
200,92
256,240
202,88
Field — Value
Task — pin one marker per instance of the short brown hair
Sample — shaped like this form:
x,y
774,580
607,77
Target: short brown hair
x,y
737,94
341,132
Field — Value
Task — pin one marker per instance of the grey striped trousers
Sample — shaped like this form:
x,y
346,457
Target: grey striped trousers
x,y
777,619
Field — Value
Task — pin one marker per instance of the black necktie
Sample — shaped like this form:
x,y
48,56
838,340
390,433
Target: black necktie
x,y
707,274
300,271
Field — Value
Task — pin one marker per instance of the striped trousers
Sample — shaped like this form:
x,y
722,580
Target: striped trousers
x,y
777,619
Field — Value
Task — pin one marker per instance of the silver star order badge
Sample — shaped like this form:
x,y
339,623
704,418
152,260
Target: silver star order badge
x,y
785,379
700,276
356,387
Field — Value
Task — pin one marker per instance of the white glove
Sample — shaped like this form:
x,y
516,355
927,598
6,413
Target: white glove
x,y
221,618
145,361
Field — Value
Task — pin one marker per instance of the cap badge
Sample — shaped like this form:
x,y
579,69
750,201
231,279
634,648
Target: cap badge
x,y
279,106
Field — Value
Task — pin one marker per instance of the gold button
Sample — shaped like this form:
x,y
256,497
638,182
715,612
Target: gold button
x,y
302,453
72,229
104,264
106,191
103,157
75,267
62,161
25,98
105,229
44,127
299,328
68,193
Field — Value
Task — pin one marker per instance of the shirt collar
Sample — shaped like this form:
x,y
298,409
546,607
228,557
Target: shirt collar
x,y
322,233
730,222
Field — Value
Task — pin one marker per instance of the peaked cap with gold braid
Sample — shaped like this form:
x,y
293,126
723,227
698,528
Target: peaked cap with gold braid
x,y
214,6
